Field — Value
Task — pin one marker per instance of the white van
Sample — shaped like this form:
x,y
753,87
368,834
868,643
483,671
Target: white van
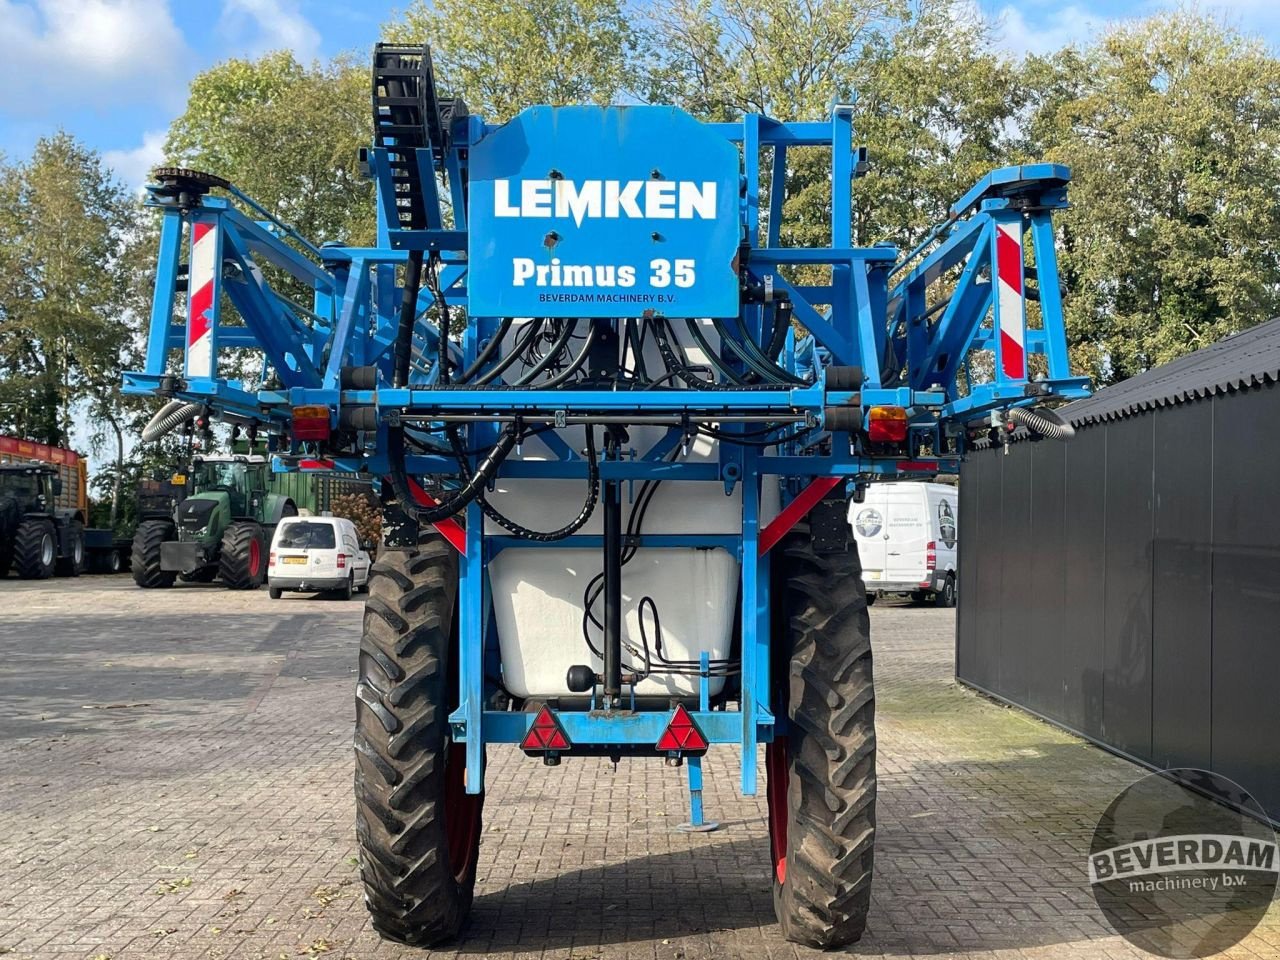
x,y
317,554
906,535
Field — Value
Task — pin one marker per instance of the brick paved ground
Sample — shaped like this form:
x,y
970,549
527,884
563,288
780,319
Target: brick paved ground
x,y
176,782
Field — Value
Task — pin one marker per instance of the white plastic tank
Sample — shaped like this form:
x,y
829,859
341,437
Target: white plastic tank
x,y
538,590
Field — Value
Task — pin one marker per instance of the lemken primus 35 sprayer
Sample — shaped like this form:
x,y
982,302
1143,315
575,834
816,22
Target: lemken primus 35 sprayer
x,y
617,424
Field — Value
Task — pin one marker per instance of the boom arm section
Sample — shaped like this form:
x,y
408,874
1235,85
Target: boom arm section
x,y
966,325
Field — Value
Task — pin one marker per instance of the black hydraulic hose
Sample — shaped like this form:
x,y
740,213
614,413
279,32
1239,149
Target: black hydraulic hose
x,y
745,440
442,305
472,488
566,374
489,350
713,355
522,343
408,313
740,350
553,354
570,528
676,364
781,324
1043,421
770,368
635,343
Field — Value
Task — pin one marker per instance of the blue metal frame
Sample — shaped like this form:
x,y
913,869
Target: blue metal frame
x,y
912,323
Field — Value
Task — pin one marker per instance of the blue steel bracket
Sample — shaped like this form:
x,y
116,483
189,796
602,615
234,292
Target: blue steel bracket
x,y
598,728
975,265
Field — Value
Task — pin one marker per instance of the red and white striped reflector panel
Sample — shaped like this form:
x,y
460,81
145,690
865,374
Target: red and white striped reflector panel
x,y
545,733
1013,354
204,248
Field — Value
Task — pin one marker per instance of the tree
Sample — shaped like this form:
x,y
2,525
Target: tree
x,y
1172,129
937,109
69,313
66,315
928,97
288,136
502,57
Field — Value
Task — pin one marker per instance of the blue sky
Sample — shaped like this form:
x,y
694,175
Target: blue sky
x,y
122,66
114,72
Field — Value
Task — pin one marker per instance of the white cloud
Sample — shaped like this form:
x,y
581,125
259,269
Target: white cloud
x,y
270,25
94,53
1050,30
133,166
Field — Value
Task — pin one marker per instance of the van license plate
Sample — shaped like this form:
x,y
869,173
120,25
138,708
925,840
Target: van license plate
x,y
871,574
295,559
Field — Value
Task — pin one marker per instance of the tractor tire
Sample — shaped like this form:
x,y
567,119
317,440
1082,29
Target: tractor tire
x,y
417,829
243,560
822,774
35,549
145,556
10,518
72,565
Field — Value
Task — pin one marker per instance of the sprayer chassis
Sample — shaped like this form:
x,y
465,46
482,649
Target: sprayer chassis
x,y
872,342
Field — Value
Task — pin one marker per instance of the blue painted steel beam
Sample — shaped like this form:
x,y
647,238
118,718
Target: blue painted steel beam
x,y
163,335
621,727
793,400
726,542
1009,180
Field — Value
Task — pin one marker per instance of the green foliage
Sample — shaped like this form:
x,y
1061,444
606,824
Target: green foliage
x,y
113,486
928,97
1172,129
287,135
501,57
789,60
934,109
64,230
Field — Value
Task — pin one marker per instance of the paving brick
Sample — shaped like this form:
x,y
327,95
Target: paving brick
x,y
177,783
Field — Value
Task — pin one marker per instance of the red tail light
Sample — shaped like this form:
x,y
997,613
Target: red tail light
x,y
271,559
682,734
311,422
887,424
342,561
931,554
545,733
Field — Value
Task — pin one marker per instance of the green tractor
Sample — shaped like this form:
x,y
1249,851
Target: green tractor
x,y
37,537
221,530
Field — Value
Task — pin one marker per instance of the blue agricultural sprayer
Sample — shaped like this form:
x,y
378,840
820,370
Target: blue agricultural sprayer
x,y
617,424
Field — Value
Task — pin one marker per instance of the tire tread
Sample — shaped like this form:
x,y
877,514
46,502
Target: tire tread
x,y
831,784
400,743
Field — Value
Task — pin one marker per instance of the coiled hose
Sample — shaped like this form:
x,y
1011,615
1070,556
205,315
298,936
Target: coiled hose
x,y
171,415
1044,422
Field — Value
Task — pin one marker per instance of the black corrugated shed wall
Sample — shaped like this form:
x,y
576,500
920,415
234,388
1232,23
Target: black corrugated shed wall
x,y
1126,584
